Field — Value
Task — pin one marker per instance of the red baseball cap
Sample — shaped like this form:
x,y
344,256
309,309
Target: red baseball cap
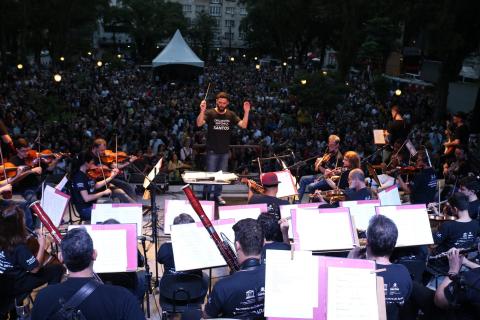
x,y
269,179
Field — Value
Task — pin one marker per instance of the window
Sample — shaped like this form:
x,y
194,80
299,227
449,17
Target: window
x,y
217,23
215,11
242,36
199,8
228,36
216,1
243,11
229,23
230,10
187,8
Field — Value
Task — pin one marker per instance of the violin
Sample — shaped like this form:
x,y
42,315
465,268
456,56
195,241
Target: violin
x,y
408,169
99,172
110,157
8,170
45,156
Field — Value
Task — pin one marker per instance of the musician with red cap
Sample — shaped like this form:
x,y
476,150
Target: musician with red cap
x,y
270,183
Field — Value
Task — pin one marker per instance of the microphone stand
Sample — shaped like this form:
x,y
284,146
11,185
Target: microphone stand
x,y
148,278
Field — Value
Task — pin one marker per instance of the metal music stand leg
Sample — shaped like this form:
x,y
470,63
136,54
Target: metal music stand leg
x,y
148,280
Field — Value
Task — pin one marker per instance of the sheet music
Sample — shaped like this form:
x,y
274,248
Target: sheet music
x,y
193,248
112,250
285,213
390,197
379,136
316,230
239,214
54,202
153,173
62,183
412,223
361,211
175,207
286,187
352,294
122,212
291,286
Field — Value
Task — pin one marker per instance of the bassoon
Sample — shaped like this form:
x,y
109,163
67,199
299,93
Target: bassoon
x,y
224,248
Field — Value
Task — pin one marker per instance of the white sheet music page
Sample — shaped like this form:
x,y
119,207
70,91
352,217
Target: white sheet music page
x,y
412,223
111,246
351,294
54,203
286,187
379,136
291,286
123,213
324,231
285,213
175,207
193,248
153,173
390,197
239,214
361,212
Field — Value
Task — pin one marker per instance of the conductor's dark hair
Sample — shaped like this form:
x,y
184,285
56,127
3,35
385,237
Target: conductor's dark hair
x,y
270,227
382,234
223,95
459,201
249,235
77,249
183,218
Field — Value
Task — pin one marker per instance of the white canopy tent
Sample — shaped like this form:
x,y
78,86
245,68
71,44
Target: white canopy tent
x,y
177,52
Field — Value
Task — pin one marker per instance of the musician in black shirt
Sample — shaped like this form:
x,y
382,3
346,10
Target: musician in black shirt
x,y
276,233
357,189
423,185
269,197
461,133
469,186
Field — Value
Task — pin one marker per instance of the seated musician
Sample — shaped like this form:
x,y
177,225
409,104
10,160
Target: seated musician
x,y
470,186
270,184
459,293
357,190
382,234
18,260
330,160
457,169
276,233
460,233
85,191
104,302
338,177
242,294
423,185
118,186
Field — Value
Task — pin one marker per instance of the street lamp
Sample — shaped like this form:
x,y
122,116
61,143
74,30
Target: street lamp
x,y
324,72
89,53
119,56
303,81
257,66
62,58
398,92
99,63
19,66
232,59
57,77
284,64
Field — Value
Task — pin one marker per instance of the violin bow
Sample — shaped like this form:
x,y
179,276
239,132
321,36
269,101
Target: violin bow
x,y
116,151
103,172
3,163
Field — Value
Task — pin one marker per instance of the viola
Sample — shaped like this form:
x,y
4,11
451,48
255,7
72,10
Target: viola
x,y
408,169
99,172
46,156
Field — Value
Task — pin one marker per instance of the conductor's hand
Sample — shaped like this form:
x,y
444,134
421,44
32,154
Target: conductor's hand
x,y
203,106
246,106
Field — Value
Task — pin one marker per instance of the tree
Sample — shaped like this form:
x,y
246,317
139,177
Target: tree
x,y
201,33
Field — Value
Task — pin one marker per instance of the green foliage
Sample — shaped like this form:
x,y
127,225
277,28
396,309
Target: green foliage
x,y
201,34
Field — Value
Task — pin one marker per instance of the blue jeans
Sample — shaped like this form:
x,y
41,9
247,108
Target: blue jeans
x,y
310,184
215,162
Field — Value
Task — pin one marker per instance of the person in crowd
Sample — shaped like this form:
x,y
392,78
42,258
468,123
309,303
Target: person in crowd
x,y
461,133
105,302
276,233
242,294
457,169
85,190
270,183
330,160
175,168
220,121
17,259
382,234
422,186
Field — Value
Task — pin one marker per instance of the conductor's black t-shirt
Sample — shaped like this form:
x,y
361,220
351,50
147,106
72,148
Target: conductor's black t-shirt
x,y
220,128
